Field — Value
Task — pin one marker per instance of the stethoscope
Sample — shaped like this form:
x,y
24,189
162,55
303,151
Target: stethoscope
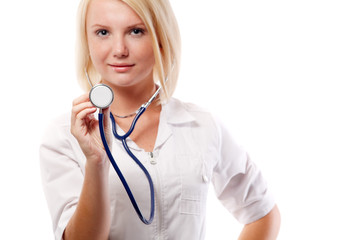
x,y
101,96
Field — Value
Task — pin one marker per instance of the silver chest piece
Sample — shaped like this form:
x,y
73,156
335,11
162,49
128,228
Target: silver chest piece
x,y
101,96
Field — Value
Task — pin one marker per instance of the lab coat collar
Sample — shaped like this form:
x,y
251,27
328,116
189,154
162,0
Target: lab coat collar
x,y
173,112
176,112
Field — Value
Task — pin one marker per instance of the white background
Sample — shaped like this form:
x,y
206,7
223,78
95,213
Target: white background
x,y
283,75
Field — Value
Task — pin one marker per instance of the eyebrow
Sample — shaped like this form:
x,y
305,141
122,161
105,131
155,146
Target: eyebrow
x,y
128,27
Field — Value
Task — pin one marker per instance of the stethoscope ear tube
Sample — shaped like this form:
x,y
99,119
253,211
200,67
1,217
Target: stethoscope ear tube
x,y
119,173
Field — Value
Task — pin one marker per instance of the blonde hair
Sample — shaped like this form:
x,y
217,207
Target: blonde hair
x,y
161,23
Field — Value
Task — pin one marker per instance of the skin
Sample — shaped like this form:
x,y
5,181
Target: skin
x,y
266,228
121,51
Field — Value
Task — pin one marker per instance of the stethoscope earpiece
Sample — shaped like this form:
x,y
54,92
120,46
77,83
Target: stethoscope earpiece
x,y
101,96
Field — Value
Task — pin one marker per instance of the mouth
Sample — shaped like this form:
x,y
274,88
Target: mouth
x,y
121,68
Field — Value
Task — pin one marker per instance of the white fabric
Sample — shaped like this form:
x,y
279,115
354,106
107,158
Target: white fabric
x,y
192,149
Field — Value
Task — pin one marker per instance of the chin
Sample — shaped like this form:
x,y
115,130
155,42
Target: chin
x,y
121,81
127,79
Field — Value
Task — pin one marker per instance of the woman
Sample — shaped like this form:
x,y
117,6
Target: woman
x,y
132,46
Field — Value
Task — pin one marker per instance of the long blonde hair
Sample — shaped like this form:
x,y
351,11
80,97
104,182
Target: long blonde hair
x,y
161,23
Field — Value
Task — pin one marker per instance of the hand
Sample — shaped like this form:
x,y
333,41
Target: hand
x,y
85,129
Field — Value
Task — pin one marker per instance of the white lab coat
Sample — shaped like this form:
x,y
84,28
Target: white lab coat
x,y
192,149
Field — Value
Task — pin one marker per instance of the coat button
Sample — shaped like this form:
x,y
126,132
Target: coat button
x,y
153,161
152,158
205,178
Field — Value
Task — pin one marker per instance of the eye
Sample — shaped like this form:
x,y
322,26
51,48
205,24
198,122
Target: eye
x,y
137,31
102,32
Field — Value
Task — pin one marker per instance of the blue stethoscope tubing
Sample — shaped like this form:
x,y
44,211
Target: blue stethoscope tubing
x,y
116,168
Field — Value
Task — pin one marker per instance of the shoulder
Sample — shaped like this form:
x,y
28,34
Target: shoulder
x,y
208,123
59,123
58,143
191,107
193,120
179,111
57,132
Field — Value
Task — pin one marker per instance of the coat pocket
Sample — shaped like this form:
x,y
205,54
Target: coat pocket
x,y
194,184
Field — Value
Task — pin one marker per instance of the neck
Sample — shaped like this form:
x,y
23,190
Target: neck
x,y
128,99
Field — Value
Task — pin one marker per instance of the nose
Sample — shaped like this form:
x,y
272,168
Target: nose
x,y
120,49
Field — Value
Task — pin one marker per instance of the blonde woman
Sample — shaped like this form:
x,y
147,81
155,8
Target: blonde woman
x,y
133,46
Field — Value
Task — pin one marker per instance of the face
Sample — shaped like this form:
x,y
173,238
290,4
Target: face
x,y
120,45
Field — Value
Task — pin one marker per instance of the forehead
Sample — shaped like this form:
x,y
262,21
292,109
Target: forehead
x,y
111,12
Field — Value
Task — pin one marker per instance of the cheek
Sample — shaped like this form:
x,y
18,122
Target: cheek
x,y
150,53
150,58
97,53
146,52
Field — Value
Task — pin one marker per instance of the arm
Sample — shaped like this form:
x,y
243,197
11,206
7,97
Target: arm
x,y
242,189
91,219
266,228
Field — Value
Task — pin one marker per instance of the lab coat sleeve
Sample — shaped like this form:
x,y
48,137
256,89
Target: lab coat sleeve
x,y
61,175
238,182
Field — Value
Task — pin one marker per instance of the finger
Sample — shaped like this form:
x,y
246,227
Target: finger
x,y
85,113
81,99
81,106
78,108
79,123
80,112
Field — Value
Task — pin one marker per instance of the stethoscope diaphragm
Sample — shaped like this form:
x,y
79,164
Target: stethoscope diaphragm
x,y
101,96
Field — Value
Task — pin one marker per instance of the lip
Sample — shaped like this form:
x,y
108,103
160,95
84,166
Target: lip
x,y
121,67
